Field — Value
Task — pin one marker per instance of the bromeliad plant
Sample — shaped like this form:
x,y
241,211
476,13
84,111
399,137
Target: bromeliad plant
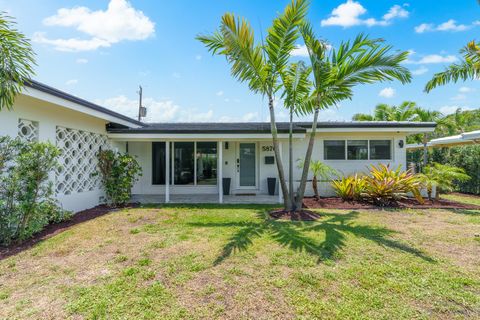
x,y
385,186
351,188
118,173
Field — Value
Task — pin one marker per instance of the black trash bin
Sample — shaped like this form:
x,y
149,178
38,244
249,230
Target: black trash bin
x,y
272,183
226,186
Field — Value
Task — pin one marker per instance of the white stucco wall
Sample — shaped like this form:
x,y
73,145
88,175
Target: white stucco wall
x,y
49,116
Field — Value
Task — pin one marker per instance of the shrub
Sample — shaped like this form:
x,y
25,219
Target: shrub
x,y
350,188
118,173
320,171
443,177
385,186
27,204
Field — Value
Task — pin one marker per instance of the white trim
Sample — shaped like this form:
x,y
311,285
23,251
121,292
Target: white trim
x,y
195,137
220,171
397,129
37,94
167,172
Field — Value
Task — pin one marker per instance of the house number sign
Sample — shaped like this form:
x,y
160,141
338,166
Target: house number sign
x,y
267,148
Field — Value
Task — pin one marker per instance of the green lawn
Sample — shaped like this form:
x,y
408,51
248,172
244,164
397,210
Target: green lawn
x,y
230,262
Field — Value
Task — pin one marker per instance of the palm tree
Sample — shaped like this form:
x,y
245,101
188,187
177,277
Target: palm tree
x,y
296,89
337,71
442,177
384,112
424,115
260,65
468,69
16,61
319,170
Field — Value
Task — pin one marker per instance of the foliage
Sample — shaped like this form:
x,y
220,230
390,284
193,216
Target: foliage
x,y
320,171
406,111
467,69
118,173
442,177
351,188
16,63
27,204
385,186
337,71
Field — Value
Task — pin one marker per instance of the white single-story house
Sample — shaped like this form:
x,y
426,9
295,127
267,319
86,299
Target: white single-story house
x,y
188,161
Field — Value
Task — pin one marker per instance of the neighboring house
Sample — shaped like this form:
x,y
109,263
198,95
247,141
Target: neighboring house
x,y
188,160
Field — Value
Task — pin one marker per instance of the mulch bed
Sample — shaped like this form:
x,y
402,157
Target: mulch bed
x,y
54,229
337,203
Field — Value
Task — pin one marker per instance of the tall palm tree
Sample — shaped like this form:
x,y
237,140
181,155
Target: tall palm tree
x,y
468,69
297,88
425,115
16,61
384,112
337,71
258,65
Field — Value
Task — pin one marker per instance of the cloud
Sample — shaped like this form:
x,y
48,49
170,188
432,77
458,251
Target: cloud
x,y
420,71
71,82
349,14
198,57
446,110
81,61
459,97
465,89
433,59
176,75
120,22
299,51
219,93
247,117
387,92
450,25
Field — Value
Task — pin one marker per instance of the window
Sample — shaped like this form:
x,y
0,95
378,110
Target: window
x,y
183,163
357,149
158,159
380,149
334,149
206,163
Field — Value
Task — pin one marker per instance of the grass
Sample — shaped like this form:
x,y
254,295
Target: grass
x,y
231,262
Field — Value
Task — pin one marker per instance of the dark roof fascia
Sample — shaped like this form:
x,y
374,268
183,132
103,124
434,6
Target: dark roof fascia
x,y
63,95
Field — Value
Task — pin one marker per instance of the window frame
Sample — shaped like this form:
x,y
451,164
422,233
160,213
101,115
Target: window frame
x,y
345,158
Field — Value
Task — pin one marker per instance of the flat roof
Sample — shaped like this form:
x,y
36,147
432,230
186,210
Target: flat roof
x,y
262,127
63,95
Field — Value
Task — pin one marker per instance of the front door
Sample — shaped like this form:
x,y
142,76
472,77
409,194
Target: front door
x,y
247,165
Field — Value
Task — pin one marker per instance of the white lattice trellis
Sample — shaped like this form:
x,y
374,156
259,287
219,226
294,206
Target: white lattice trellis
x,y
27,130
78,160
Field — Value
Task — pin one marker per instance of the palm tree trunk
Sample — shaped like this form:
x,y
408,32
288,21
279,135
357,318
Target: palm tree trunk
x,y
276,150
425,150
315,187
306,164
290,161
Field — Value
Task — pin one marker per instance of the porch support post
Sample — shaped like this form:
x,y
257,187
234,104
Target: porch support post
x,y
167,171
220,171
280,198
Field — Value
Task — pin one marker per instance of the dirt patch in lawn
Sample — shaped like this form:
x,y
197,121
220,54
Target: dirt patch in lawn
x,y
54,229
303,215
337,203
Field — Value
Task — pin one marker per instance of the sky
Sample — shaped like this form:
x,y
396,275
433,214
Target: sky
x,y
103,50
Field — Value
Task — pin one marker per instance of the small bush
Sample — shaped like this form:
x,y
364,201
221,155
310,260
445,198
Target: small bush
x,y
350,188
385,186
27,204
118,173
443,177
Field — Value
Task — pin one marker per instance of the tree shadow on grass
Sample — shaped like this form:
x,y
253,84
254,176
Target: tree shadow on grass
x,y
294,235
467,212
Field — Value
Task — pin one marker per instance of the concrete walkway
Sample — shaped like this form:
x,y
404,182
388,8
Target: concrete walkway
x,y
206,198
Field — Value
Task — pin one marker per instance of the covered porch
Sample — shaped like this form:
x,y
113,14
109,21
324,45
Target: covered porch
x,y
190,167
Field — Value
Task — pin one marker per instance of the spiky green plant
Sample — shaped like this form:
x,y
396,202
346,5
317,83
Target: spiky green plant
x,y
319,171
442,177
